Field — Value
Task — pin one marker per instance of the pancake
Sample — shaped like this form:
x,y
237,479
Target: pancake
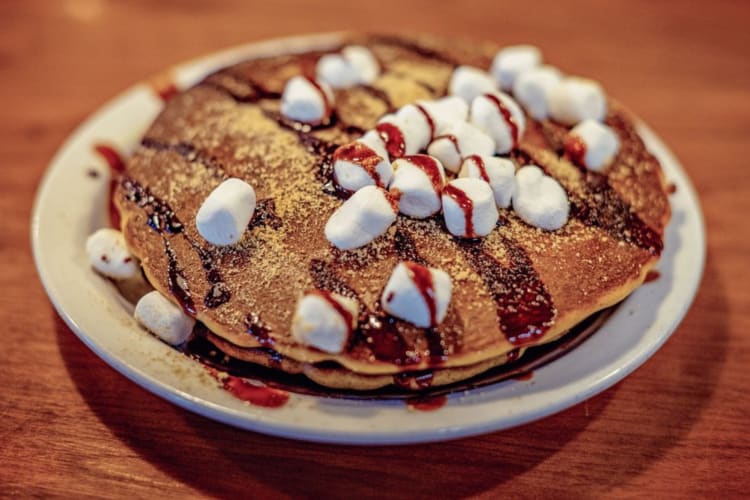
x,y
517,288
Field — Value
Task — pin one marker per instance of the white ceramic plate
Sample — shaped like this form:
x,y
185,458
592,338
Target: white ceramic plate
x,y
70,205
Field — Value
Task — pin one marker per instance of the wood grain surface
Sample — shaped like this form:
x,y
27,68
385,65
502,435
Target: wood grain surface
x,y
72,426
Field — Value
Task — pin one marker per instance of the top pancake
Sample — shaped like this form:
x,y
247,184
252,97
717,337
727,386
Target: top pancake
x,y
518,287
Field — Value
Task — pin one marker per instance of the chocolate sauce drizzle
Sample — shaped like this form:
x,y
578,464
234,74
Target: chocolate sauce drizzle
x,y
265,215
422,51
255,326
189,152
159,215
523,305
176,281
380,95
239,89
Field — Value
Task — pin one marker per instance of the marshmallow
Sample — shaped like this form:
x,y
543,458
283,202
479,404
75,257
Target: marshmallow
x,y
532,89
414,127
459,140
109,255
163,318
539,200
306,101
226,212
592,145
417,294
417,183
355,65
469,208
363,60
512,61
499,173
358,164
362,218
576,99
445,111
467,82
325,320
500,117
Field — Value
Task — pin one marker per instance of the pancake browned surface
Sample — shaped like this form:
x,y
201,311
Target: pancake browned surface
x,y
518,287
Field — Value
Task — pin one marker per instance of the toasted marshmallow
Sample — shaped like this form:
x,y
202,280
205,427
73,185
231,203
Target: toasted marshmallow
x,y
414,128
226,212
417,183
417,294
163,318
445,111
325,320
459,140
539,200
306,101
109,255
499,173
355,65
362,218
512,61
500,117
469,208
576,99
357,164
532,89
592,145
467,82
363,60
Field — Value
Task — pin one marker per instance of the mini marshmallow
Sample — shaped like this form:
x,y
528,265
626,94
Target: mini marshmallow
x,y
226,212
362,218
108,254
467,82
459,140
306,101
325,320
445,111
498,172
539,200
532,89
414,128
575,99
163,318
355,65
358,164
500,117
592,145
417,294
512,61
417,182
469,208
363,60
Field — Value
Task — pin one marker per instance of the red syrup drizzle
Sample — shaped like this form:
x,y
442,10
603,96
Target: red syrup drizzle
x,y
393,139
429,166
422,278
480,166
429,403
523,305
166,92
524,376
345,314
671,188
507,116
258,329
453,139
652,275
428,119
245,390
327,103
362,155
575,150
116,167
467,206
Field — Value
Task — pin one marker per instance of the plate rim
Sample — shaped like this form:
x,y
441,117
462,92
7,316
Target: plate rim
x,y
243,419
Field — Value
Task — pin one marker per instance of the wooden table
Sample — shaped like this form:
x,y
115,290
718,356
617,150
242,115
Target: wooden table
x,y
677,427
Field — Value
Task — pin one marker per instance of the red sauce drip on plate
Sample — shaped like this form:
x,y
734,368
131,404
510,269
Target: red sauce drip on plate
x,y
652,275
507,116
428,119
671,188
429,166
480,166
362,155
255,394
466,205
575,150
427,404
167,92
422,278
393,139
524,376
